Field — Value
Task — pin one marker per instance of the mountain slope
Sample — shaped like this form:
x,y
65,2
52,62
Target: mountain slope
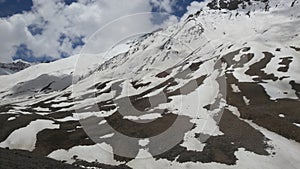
x,y
25,160
220,89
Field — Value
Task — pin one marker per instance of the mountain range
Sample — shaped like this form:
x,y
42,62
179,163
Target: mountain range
x,y
219,89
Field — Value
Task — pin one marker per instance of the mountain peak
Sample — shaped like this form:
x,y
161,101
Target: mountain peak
x,y
234,4
249,4
15,66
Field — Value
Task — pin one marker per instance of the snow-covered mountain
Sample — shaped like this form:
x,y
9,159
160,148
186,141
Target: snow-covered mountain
x,y
249,4
10,68
220,89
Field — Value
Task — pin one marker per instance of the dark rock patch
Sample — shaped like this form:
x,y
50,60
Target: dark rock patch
x,y
295,48
256,69
66,137
137,85
296,87
264,111
162,74
286,61
222,148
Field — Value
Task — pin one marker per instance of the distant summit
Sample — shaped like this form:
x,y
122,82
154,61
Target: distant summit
x,y
16,66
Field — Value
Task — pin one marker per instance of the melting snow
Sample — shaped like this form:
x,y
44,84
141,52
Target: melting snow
x,y
98,152
297,124
25,138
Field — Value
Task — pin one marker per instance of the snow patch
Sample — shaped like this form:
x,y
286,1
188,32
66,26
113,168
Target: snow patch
x,y
25,138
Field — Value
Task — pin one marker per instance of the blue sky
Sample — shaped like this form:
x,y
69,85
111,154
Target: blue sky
x,y
43,30
10,7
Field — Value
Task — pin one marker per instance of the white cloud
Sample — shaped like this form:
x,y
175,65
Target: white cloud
x,y
196,6
82,18
164,5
